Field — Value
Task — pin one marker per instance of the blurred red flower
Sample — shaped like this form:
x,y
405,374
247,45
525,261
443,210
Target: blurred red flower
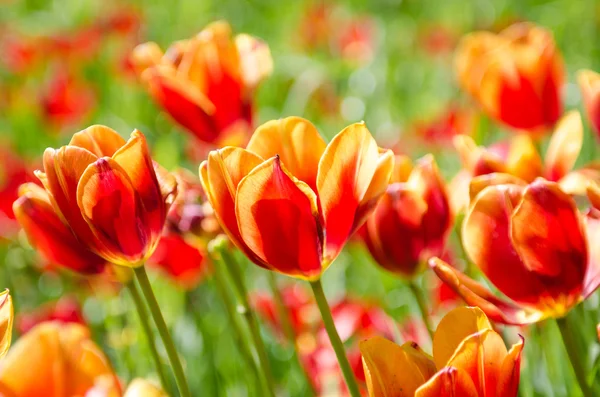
x,y
64,310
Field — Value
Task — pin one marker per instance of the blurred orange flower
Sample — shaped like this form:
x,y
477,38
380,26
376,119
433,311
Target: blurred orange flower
x,y
290,201
454,120
589,83
207,83
519,161
516,75
469,359
57,360
412,220
533,245
105,200
6,321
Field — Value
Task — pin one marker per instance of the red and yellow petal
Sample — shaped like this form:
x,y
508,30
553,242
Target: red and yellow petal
x,y
392,370
448,382
46,231
220,176
523,159
99,140
454,327
589,83
112,208
592,275
7,317
480,182
346,170
564,146
297,143
510,371
278,220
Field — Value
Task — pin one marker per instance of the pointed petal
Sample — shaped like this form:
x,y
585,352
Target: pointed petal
x,y
510,371
546,233
278,220
346,170
7,317
99,140
392,370
486,239
111,207
592,276
134,159
220,176
564,146
255,60
403,166
297,143
475,294
480,182
453,329
523,160
50,235
448,382
145,55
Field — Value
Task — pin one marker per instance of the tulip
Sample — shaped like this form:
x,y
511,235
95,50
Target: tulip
x,y
516,75
207,83
104,201
13,173
589,83
56,360
6,321
65,310
289,201
142,388
520,162
180,259
412,221
469,359
441,130
533,245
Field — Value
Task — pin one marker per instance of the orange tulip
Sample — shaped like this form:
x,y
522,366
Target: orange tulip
x,y
520,161
412,221
143,388
516,75
7,317
104,201
589,83
533,245
207,83
289,201
469,360
56,360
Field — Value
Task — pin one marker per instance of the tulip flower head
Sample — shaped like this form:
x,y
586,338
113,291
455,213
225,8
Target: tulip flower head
x,y
534,246
589,83
412,221
56,360
207,83
469,359
6,322
516,75
290,201
104,200
143,388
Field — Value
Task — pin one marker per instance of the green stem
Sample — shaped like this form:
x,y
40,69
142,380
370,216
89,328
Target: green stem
x,y
142,277
288,329
418,294
246,311
572,351
143,314
334,337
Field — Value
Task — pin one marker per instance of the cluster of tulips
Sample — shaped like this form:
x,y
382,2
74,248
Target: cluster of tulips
x,y
289,201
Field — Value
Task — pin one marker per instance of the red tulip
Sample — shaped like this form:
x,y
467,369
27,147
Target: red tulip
x,y
589,83
65,310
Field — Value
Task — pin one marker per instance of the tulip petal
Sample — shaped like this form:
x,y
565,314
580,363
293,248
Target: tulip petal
x,y
99,140
575,182
50,235
453,329
547,235
142,388
111,207
475,294
510,371
255,60
486,239
592,276
297,143
523,159
345,173
448,382
278,220
480,182
6,321
564,146
220,176
392,370
589,83
134,159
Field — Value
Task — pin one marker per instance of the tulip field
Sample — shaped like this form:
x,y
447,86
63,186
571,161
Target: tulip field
x,y
386,198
